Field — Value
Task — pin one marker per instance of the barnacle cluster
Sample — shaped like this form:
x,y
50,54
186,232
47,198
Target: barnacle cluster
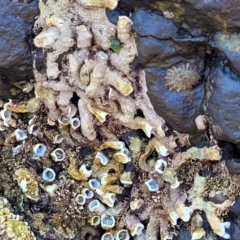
x,y
87,191
182,77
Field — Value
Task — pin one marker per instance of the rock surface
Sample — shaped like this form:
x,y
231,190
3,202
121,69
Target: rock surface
x,y
222,102
183,235
156,26
223,14
15,36
235,209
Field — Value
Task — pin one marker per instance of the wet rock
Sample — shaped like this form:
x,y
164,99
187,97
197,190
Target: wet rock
x,y
16,20
155,25
154,52
168,53
159,42
233,166
179,109
235,231
219,198
113,15
184,234
132,5
222,14
229,44
222,101
235,209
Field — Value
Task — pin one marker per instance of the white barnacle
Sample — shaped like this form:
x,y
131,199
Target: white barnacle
x,y
107,236
80,199
58,155
75,123
99,114
101,158
85,172
72,111
96,206
152,185
87,193
39,149
57,138
182,77
95,220
94,184
173,217
6,117
107,222
47,38
33,129
64,120
122,234
17,149
160,166
48,175
50,189
20,135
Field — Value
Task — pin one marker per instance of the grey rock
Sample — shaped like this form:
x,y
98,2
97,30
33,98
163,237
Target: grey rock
x,y
16,21
222,101
233,166
184,234
152,51
235,209
146,23
168,53
235,231
113,15
229,44
219,198
222,14
178,109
